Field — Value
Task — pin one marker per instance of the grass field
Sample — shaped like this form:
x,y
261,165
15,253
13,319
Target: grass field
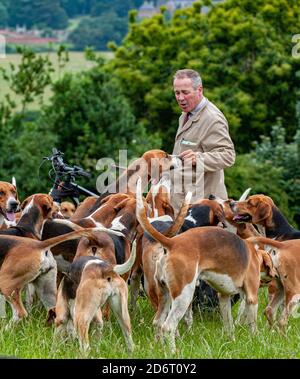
x,y
77,63
32,339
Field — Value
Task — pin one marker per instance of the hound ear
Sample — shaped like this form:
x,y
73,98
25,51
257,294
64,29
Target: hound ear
x,y
48,205
46,208
24,203
121,205
267,261
263,212
168,209
219,214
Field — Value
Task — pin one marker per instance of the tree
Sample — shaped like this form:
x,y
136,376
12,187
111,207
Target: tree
x,y
30,78
272,168
74,7
243,50
261,177
50,14
121,7
20,12
29,143
37,13
96,32
277,152
98,7
23,141
3,15
92,120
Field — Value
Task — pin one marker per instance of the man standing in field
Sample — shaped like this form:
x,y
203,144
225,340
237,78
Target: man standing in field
x,y
202,142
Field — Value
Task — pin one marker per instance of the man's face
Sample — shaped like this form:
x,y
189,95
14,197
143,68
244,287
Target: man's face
x,y
187,97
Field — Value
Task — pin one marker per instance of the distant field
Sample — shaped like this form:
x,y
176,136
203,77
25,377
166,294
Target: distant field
x,y
76,63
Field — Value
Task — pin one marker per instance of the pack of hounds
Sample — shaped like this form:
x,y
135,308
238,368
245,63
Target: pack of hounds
x,y
79,263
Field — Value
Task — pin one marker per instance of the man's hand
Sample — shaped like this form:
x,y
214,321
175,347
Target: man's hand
x,y
189,154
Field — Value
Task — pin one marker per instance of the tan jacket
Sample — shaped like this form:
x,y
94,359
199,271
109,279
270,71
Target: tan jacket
x,y
206,132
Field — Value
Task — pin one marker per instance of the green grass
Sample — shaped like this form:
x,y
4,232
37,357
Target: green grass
x,y
76,64
32,339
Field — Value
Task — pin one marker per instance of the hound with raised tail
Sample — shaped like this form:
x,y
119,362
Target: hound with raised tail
x,y
286,260
107,246
25,260
159,200
225,261
36,209
88,285
103,216
261,210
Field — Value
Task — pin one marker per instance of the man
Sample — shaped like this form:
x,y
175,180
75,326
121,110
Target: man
x,y
202,142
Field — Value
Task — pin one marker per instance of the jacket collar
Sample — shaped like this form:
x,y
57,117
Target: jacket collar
x,y
195,115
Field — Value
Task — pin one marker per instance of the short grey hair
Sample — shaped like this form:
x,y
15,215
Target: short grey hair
x,y
191,74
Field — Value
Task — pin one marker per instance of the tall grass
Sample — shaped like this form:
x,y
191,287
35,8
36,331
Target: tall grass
x,y
32,339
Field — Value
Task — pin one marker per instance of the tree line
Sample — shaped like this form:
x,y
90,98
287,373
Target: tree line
x,y
55,13
243,51
100,21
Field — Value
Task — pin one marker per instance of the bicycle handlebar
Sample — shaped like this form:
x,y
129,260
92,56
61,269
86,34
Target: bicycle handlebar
x,y
62,168
63,184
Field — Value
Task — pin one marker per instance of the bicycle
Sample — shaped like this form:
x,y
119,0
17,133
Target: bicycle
x,y
64,185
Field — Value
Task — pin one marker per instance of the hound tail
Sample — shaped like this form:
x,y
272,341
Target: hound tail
x,y
66,222
266,241
174,229
125,267
143,220
245,194
86,232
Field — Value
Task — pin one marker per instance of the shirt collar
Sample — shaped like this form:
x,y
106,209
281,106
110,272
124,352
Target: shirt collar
x,y
198,107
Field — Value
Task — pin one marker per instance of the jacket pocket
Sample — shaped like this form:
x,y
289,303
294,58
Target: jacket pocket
x,y
188,144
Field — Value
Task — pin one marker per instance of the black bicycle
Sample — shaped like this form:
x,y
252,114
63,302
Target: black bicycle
x,y
64,185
